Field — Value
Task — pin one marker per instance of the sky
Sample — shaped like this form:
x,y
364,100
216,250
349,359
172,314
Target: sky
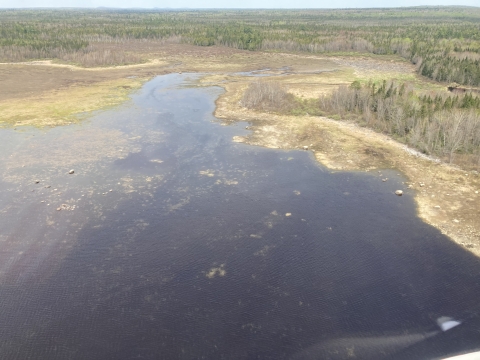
x,y
231,4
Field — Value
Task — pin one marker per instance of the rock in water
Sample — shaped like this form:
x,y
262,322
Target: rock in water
x,y
399,192
71,171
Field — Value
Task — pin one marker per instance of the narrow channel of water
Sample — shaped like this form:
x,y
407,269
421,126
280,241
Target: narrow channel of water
x,y
172,242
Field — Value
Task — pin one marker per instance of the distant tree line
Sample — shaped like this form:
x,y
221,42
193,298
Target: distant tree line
x,y
443,42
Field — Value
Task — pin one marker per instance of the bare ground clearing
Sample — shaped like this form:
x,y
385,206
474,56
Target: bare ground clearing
x,y
447,197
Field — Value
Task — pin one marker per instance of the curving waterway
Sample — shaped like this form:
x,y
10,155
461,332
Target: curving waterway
x,y
170,241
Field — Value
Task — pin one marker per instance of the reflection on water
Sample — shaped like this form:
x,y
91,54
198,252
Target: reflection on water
x,y
176,243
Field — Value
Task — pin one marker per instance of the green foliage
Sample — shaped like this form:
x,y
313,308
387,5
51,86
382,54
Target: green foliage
x,y
435,123
305,107
444,42
356,85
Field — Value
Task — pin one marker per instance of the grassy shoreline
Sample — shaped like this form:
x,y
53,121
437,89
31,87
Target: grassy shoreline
x,y
447,196
71,105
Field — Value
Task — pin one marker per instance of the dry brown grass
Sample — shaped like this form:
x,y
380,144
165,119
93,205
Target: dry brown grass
x,y
267,95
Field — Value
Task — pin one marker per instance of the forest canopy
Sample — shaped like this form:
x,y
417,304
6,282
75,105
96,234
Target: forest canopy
x,y
443,42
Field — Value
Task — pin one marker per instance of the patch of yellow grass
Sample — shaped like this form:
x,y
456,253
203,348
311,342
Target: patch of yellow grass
x,y
65,106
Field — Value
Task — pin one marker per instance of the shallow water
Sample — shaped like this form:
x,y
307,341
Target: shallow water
x,y
191,254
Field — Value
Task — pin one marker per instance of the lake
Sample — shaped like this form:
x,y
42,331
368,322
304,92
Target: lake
x,y
170,241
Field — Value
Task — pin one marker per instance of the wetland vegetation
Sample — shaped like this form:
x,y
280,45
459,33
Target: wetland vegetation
x,y
411,74
443,42
172,237
437,123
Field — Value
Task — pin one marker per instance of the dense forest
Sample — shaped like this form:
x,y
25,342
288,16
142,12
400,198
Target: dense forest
x,y
443,42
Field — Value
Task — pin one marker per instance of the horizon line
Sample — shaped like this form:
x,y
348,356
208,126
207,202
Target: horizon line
x,y
231,8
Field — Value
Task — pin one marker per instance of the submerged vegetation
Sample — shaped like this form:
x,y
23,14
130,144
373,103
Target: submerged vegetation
x,y
443,42
446,126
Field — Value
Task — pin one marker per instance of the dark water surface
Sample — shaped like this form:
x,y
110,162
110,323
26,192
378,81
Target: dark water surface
x,y
191,255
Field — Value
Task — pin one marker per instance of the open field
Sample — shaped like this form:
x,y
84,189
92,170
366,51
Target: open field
x,y
447,197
